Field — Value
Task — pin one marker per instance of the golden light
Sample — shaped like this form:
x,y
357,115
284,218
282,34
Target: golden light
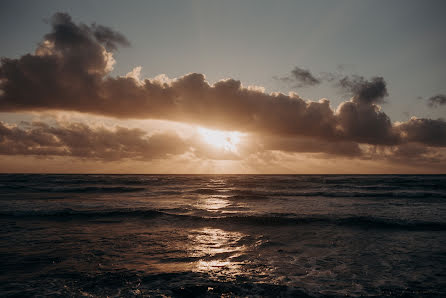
x,y
217,251
212,203
225,140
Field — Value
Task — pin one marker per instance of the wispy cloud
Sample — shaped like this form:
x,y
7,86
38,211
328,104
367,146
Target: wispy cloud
x,y
437,100
300,77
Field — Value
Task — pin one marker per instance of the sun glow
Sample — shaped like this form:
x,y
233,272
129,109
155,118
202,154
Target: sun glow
x,y
225,140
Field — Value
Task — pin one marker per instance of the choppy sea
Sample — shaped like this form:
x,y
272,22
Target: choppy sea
x,y
222,235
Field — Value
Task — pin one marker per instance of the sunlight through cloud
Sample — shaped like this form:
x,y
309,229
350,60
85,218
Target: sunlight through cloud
x,y
225,140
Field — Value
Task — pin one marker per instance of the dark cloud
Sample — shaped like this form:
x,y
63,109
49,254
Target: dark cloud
x,y
304,77
66,34
365,91
437,100
109,38
371,91
80,140
301,77
366,123
425,131
66,72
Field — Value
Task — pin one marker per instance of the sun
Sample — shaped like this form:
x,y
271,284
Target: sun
x,y
225,140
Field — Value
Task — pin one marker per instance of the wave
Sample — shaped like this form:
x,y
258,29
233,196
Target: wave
x,y
73,214
242,194
238,186
87,189
364,222
385,194
206,191
130,283
336,194
234,194
361,222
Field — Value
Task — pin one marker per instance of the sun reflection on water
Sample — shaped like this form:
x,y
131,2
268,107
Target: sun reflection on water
x,y
217,250
213,203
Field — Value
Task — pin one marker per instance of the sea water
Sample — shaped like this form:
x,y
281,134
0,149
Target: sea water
x,y
230,235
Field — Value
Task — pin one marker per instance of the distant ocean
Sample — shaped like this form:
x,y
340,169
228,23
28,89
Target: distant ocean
x,y
230,235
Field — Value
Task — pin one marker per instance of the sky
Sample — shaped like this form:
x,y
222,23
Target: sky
x,y
223,86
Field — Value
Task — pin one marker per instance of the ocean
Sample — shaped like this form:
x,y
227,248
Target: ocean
x,y
222,235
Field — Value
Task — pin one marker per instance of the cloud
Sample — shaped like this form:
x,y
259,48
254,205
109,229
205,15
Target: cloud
x,y
119,144
366,123
310,145
436,100
425,131
413,154
364,91
82,141
108,37
370,91
109,144
70,71
301,77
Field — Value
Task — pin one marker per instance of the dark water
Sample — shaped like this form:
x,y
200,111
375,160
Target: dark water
x,y
240,235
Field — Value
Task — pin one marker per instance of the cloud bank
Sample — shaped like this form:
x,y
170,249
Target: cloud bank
x,y
83,141
69,71
105,144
